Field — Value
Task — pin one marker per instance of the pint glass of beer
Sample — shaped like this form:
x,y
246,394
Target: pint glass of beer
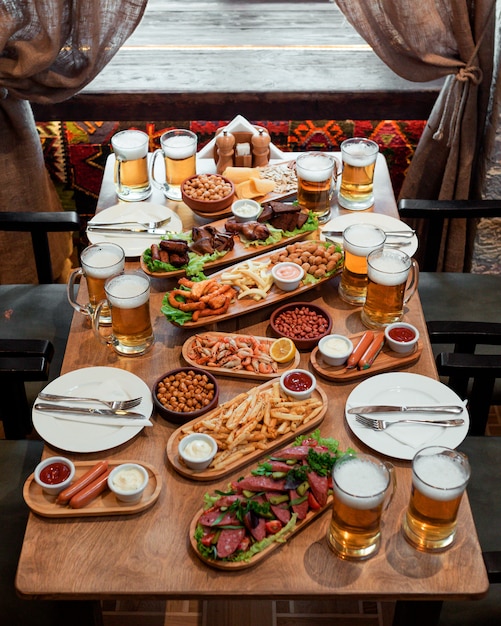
x,y
362,488
132,182
98,263
439,479
357,179
128,296
392,280
359,240
179,149
315,185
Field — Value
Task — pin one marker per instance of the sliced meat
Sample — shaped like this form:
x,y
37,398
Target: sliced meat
x,y
256,525
319,486
174,245
260,483
300,509
283,207
266,214
281,512
228,541
204,245
218,518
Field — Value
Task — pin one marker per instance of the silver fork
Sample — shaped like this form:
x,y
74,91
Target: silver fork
x,y
151,224
122,405
376,424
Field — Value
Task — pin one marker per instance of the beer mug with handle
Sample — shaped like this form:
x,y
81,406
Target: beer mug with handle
x,y
128,296
179,149
359,156
132,182
363,487
316,173
439,479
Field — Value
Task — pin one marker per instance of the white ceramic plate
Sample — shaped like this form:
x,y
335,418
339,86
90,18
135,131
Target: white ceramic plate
x,y
385,222
400,388
108,383
134,245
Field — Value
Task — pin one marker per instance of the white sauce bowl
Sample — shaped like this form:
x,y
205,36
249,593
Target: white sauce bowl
x,y
128,482
197,450
246,210
335,349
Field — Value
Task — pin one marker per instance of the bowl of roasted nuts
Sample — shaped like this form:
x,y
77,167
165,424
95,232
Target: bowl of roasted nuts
x,y
207,193
184,394
303,322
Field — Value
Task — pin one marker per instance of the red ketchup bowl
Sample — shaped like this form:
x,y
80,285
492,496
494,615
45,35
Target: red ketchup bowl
x,y
401,337
303,322
298,384
54,474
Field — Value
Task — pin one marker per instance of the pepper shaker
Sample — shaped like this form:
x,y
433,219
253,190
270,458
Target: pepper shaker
x,y
225,143
260,148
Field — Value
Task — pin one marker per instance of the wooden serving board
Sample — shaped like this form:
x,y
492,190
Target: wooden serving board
x,y
239,252
260,556
237,373
105,504
274,295
210,474
387,360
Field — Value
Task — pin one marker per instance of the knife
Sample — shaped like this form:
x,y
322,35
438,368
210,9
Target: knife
x,y
389,233
43,406
382,408
129,230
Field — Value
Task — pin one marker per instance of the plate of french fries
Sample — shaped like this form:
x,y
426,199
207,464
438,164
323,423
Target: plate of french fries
x,y
248,285
248,426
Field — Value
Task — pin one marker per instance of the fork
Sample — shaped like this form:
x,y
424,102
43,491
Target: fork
x,y
122,405
152,224
376,424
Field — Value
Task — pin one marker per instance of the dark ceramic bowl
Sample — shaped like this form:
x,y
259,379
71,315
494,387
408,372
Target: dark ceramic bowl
x,y
182,416
302,343
208,206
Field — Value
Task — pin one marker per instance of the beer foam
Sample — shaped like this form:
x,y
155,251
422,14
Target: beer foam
x,y
360,484
362,240
97,263
130,145
439,477
388,269
128,291
359,154
179,147
315,168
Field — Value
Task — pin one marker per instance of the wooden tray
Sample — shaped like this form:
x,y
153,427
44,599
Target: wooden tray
x,y
105,504
387,360
257,558
223,371
239,253
245,305
209,474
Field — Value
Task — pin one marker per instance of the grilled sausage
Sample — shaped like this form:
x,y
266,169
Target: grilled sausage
x,y
372,351
87,494
90,475
358,352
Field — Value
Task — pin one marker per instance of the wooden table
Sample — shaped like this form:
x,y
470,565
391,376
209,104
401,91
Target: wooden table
x,y
148,554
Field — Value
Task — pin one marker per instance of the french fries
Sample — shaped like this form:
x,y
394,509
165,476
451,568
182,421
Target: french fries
x,y
251,421
252,278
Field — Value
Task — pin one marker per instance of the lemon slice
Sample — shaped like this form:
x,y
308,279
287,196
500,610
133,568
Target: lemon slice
x,y
282,350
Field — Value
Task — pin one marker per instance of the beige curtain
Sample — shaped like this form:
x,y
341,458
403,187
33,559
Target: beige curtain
x,y
49,50
423,41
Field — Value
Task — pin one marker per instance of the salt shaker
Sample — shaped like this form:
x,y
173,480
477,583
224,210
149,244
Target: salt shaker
x,y
225,143
260,148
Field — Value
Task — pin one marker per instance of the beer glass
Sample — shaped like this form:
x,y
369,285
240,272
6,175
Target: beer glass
x,y
315,185
359,240
179,149
357,179
439,479
392,281
132,182
98,262
362,488
128,296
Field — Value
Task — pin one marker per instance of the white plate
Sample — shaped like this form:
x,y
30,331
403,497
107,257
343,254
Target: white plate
x,y
134,245
109,383
403,441
385,222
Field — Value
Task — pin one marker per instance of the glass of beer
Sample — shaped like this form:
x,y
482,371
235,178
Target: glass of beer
x,y
359,240
357,179
128,296
132,182
315,182
98,262
439,479
392,281
179,149
362,488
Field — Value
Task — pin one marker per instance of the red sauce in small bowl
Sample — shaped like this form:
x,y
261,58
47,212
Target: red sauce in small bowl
x,y
402,334
297,381
54,473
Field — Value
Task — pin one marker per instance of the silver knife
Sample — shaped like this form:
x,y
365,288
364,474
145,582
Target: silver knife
x,y
129,230
382,408
43,406
389,233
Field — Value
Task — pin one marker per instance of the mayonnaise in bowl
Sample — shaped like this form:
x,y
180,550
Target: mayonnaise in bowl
x,y
197,450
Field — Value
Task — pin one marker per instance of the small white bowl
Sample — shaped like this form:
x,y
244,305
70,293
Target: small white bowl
x,y
245,210
402,345
128,482
335,349
287,275
298,378
54,488
197,450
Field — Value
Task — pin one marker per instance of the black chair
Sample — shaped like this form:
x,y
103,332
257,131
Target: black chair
x,y
35,325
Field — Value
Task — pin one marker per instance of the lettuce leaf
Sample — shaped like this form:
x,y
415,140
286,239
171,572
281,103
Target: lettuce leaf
x,y
176,316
